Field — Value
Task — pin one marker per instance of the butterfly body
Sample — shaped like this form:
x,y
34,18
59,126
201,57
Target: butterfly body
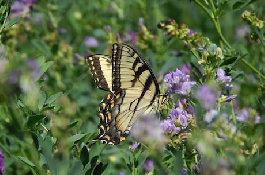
x,y
133,91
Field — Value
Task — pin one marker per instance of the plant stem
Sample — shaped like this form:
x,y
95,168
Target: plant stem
x,y
4,23
216,23
253,68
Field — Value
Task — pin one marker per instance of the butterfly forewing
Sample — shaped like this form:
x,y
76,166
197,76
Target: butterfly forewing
x,y
132,87
101,69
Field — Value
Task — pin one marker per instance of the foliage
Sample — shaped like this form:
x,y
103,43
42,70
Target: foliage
x,y
213,121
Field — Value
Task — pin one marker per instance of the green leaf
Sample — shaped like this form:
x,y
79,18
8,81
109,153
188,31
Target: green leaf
x,y
241,4
2,9
72,124
42,99
42,47
12,22
100,168
54,97
34,119
20,104
76,137
84,156
138,152
257,31
44,66
26,161
195,53
222,7
93,163
76,167
228,61
125,156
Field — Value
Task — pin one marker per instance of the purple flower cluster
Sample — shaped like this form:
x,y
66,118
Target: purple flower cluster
x,y
179,82
91,41
248,114
148,131
225,81
178,118
207,96
21,7
2,166
148,166
134,146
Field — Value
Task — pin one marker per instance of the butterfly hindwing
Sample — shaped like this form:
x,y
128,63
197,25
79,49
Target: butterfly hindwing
x,y
111,128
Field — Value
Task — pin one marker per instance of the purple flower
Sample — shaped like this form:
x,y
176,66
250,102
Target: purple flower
x,y
223,79
121,173
184,171
148,130
91,41
178,118
248,114
185,68
18,8
148,166
108,28
78,58
131,37
207,96
2,166
169,127
230,97
22,7
29,2
191,32
134,146
179,82
243,116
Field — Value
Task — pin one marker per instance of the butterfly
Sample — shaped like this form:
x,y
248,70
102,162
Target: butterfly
x,y
132,91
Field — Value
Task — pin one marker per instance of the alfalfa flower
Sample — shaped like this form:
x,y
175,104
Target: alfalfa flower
x,y
2,166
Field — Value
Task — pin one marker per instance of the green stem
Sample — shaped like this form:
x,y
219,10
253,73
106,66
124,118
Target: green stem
x,y
7,13
215,21
218,28
233,113
253,68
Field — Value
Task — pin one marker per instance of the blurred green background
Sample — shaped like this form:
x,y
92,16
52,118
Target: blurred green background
x,y
42,61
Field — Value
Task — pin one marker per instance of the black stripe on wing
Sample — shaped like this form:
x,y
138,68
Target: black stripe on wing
x,y
122,56
101,69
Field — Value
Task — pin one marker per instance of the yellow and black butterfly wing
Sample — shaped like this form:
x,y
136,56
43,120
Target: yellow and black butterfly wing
x,y
133,90
101,70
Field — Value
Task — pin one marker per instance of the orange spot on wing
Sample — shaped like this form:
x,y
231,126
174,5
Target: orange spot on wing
x,y
108,97
118,124
109,116
118,95
117,117
112,104
122,138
